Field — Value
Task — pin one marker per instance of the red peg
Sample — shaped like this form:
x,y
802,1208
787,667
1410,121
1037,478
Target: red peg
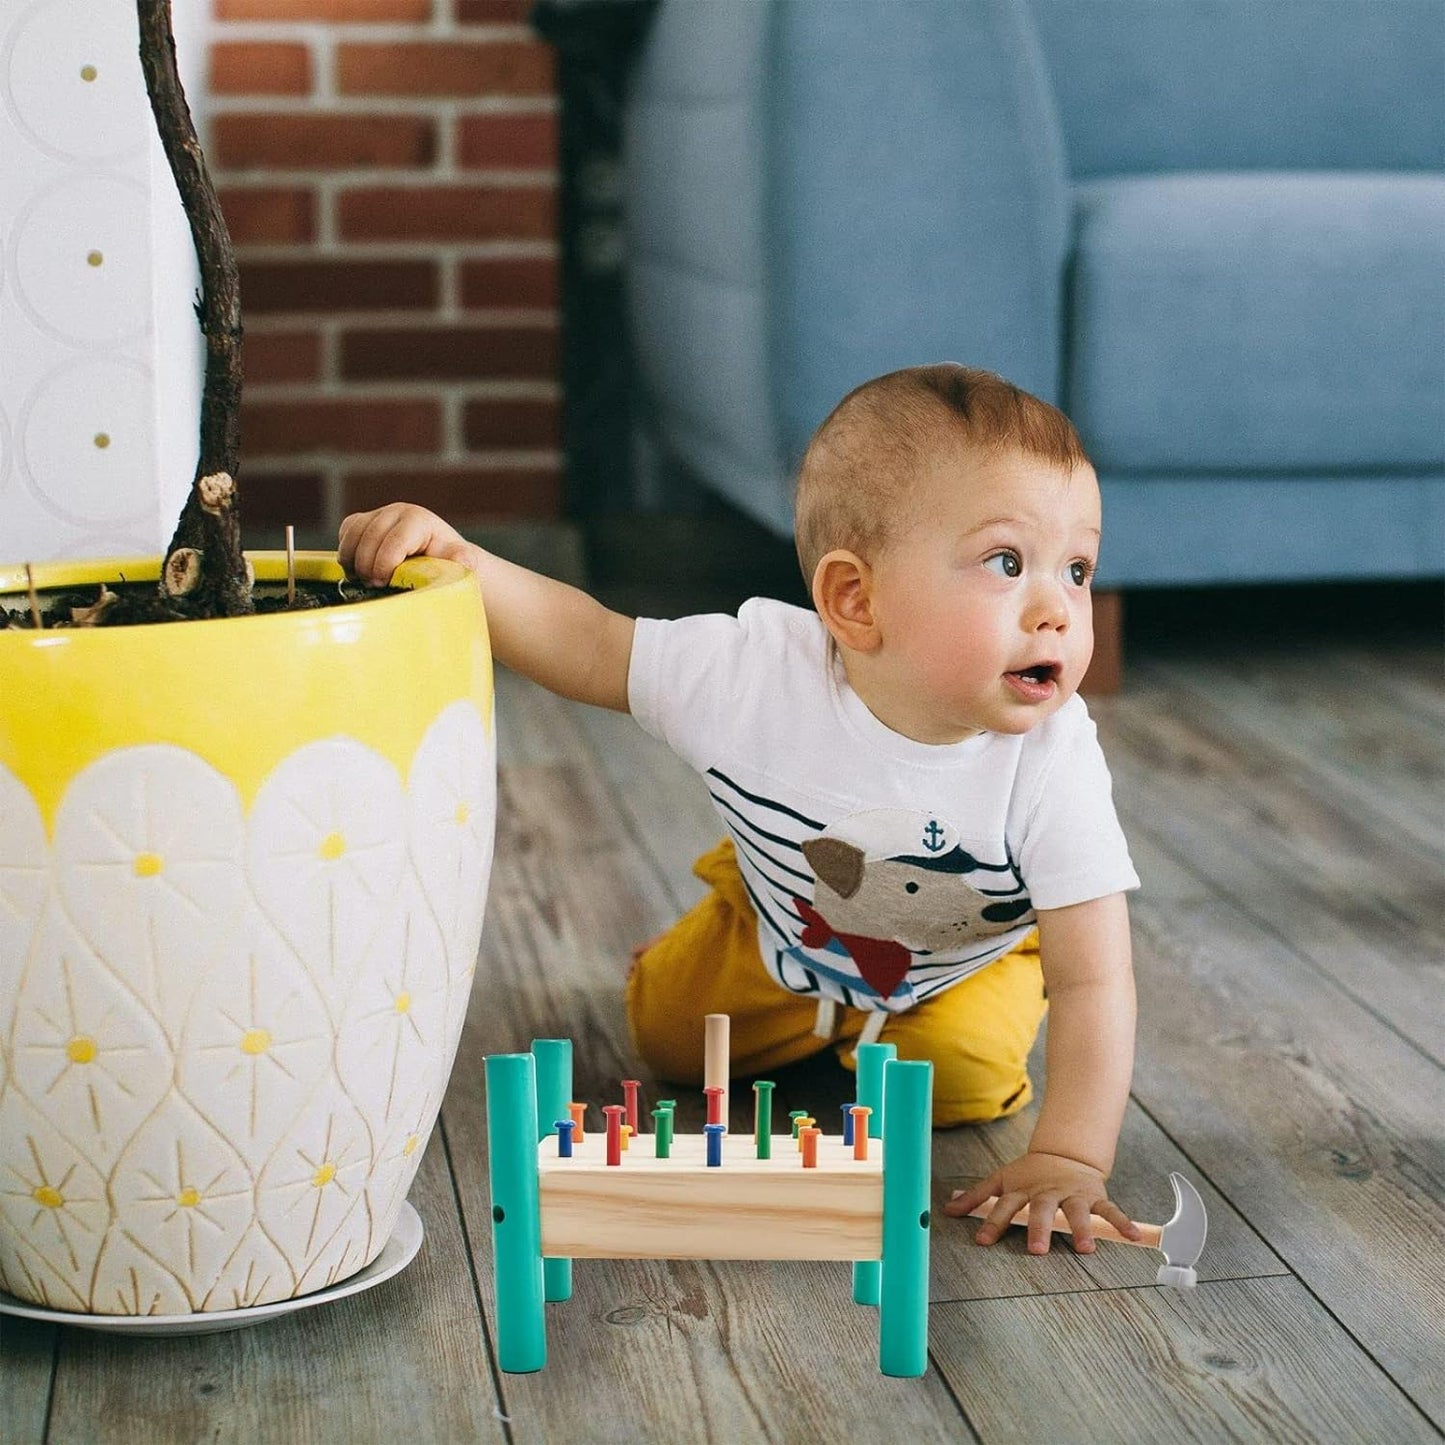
x,y
629,1099
613,1114
714,1094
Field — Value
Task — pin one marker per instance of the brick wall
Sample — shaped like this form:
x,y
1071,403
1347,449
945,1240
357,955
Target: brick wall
x,y
388,170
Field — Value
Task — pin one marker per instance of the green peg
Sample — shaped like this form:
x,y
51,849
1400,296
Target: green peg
x,y
793,1116
662,1132
763,1117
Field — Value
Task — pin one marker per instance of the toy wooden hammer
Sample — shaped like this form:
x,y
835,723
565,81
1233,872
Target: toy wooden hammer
x,y
1180,1241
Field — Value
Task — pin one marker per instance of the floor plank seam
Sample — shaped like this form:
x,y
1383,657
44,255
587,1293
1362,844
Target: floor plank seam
x,y
1104,1289
952,1394
1135,824
500,1410
54,1375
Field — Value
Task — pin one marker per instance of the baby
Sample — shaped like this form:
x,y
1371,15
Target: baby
x,y
921,841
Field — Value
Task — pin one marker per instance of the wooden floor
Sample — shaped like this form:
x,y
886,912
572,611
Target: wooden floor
x,y
1285,807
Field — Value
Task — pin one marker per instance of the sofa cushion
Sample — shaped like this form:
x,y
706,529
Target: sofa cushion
x,y
1268,321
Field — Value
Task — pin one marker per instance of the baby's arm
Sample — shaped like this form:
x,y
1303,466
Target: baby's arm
x,y
554,634
1089,976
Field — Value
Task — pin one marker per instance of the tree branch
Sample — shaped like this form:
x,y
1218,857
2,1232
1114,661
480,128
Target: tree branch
x,y
216,582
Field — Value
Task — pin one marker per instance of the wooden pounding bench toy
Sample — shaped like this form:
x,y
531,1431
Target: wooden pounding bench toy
x,y
561,1191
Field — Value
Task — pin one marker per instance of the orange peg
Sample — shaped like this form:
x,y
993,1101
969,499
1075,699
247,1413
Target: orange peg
x,y
578,1113
806,1122
860,1114
809,1134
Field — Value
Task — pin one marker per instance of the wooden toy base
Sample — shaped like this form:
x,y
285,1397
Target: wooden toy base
x,y
679,1208
549,1208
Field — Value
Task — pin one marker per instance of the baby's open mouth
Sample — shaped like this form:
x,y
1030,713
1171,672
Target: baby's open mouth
x,y
1039,672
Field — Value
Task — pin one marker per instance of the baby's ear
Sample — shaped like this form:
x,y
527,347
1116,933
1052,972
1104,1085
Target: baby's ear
x,y
843,595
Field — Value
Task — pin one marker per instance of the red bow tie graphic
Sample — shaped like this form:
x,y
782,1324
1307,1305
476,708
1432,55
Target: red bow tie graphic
x,y
882,962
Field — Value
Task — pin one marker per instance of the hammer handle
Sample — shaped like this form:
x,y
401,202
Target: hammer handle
x,y
1102,1228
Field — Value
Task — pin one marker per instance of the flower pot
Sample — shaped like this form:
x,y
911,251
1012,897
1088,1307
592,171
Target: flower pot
x,y
243,865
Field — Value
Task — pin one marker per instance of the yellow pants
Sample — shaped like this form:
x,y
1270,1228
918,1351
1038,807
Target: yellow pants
x,y
978,1033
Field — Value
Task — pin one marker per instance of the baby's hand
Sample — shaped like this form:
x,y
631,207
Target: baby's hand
x,y
372,545
1046,1183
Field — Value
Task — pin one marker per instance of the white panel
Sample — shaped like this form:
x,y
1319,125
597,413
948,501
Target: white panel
x,y
100,367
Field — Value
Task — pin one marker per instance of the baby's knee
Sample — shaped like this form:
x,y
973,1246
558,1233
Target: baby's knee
x,y
657,1000
963,1097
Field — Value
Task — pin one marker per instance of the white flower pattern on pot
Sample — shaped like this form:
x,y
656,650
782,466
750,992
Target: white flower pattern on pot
x,y
258,1042
23,854
148,843
326,849
84,1050
55,1207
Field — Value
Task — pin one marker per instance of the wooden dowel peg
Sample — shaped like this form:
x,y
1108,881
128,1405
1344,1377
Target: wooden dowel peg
x,y
35,617
290,565
717,1061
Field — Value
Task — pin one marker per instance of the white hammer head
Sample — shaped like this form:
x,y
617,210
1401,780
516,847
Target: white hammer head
x,y
1181,1241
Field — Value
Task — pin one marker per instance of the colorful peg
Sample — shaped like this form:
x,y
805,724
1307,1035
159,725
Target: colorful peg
x,y
848,1126
714,1094
714,1134
626,1132
860,1130
793,1116
806,1122
613,1114
810,1134
716,1058
662,1132
763,1117
578,1113
629,1100
564,1138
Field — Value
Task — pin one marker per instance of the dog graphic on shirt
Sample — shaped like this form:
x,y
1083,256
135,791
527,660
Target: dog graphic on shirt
x,y
904,891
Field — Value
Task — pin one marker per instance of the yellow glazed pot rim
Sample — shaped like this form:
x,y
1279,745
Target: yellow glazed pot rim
x,y
414,575
242,693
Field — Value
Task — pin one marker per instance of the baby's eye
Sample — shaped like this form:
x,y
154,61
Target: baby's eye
x,y
1006,564
1080,572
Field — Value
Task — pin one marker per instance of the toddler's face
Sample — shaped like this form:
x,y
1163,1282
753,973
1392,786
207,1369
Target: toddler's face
x,y
984,601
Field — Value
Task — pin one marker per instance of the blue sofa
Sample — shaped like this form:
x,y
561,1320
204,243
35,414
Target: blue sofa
x,y
1213,231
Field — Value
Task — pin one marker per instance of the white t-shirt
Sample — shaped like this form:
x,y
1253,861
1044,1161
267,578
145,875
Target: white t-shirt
x,y
883,870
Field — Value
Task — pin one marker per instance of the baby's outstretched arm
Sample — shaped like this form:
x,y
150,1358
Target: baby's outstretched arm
x,y
1089,976
554,634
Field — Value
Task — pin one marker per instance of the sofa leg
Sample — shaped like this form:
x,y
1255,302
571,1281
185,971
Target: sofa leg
x,y
1106,671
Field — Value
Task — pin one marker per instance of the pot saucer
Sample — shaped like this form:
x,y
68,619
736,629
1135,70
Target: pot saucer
x,y
399,1252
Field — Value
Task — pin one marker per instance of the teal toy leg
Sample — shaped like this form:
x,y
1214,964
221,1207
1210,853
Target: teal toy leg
x,y
554,1093
871,1059
907,1148
516,1211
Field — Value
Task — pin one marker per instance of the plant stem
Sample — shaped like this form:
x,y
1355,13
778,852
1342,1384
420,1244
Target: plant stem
x,y
210,520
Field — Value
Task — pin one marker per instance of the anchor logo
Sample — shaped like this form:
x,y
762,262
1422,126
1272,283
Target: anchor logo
x,y
933,837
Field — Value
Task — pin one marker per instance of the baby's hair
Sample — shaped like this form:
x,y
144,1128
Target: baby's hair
x,y
854,482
